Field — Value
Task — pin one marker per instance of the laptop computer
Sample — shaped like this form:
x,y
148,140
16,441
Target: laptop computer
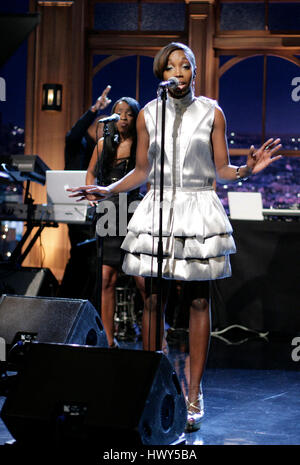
x,y
58,181
245,206
66,209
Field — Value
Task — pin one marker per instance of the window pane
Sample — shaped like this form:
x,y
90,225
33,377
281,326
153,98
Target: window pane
x,y
116,16
241,100
284,16
98,58
111,73
13,100
148,82
240,97
15,6
224,58
242,16
121,75
283,106
163,16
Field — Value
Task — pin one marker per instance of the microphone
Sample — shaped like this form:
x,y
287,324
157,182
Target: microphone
x,y
171,83
110,119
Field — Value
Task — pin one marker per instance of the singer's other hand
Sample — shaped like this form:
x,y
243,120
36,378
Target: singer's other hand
x,y
259,159
90,192
102,101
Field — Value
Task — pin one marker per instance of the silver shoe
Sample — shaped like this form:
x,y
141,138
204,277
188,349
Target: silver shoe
x,y
114,345
195,414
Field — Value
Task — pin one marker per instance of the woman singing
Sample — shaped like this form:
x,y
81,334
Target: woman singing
x,y
197,235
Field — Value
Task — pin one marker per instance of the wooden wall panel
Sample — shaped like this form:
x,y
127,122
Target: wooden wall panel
x,y
201,30
55,55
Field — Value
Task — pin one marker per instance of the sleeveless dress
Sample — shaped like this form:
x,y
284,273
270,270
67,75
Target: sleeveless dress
x,y
110,229
197,234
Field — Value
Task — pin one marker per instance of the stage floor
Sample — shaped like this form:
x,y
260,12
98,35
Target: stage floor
x,y
251,389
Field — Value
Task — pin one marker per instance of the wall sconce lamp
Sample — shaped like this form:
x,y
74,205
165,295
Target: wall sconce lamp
x,y
55,3
52,97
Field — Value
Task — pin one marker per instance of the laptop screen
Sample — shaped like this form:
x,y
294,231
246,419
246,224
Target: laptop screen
x,y
58,181
245,205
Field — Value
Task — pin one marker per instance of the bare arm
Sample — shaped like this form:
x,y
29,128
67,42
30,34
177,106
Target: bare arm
x,y
90,174
90,178
257,160
140,173
225,171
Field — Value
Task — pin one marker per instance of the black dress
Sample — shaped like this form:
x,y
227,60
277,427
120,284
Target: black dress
x,y
112,254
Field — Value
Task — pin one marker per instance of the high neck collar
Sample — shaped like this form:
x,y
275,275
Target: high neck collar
x,y
183,102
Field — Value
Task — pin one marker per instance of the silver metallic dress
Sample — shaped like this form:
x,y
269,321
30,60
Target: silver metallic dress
x,y
197,235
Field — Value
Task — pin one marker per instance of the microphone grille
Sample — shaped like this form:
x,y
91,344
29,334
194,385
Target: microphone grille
x,y
174,82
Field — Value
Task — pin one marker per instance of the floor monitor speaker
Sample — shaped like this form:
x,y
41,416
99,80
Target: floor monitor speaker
x,y
50,319
28,281
95,397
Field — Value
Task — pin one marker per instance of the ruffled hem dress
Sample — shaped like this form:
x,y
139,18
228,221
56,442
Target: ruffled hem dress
x,y
197,234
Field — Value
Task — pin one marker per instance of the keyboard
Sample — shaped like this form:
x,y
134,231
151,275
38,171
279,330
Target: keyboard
x,y
60,213
281,212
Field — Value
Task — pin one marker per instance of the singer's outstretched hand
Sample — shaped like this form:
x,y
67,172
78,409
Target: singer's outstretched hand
x,y
90,192
102,101
259,159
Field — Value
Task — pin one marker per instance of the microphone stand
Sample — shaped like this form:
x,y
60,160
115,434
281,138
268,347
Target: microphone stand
x,y
99,239
163,95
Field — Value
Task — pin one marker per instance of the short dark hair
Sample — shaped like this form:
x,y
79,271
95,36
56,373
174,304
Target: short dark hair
x,y
162,57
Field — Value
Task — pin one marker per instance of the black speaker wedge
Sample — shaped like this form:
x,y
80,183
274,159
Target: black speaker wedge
x,y
68,395
50,319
